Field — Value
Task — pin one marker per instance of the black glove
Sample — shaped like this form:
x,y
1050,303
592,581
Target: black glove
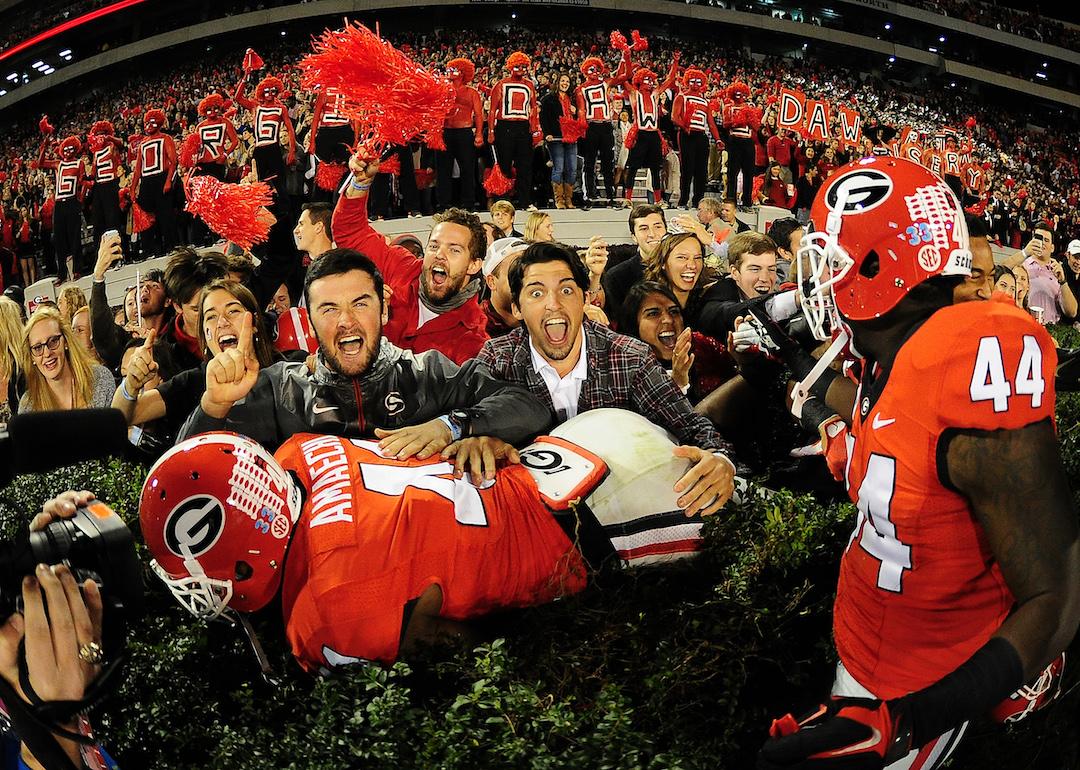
x,y
842,734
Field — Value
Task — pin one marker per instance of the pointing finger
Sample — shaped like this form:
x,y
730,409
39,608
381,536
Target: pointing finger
x,y
244,343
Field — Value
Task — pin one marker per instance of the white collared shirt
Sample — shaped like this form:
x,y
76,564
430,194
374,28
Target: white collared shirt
x,y
565,391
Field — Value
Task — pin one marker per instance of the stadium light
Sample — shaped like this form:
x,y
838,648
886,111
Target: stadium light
x,y
3,92
48,71
1041,75
892,59
941,39
933,50
888,26
39,64
513,16
1045,65
65,52
13,76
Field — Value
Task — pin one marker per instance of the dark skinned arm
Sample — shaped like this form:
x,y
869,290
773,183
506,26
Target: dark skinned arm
x,y
1031,526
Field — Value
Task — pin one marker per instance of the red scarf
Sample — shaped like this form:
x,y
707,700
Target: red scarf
x,y
185,340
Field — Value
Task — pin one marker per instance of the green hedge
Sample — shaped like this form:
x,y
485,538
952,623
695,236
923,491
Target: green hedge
x,y
679,667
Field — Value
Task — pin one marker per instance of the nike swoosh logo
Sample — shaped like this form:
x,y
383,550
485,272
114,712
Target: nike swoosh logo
x,y
869,743
317,409
880,423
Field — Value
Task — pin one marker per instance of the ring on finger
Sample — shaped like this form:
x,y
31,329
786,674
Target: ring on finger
x,y
92,653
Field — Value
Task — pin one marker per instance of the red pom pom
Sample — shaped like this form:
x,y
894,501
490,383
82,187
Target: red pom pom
x,y
572,130
125,198
497,183
140,219
393,98
425,177
45,126
236,212
328,175
638,43
618,41
189,150
3,177
252,61
631,138
971,122
436,141
391,165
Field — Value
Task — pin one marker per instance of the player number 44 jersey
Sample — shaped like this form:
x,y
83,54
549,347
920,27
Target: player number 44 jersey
x,y
919,590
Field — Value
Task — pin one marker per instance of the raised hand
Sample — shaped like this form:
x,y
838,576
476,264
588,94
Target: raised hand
x,y
363,168
682,359
141,366
231,374
109,251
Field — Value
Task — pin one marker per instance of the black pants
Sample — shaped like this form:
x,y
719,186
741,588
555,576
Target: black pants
x,y
105,208
67,235
459,147
333,143
740,158
162,237
646,153
379,199
514,148
694,156
599,142
271,167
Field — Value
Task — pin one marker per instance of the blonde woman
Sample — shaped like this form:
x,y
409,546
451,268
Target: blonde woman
x,y
69,299
539,228
12,381
61,374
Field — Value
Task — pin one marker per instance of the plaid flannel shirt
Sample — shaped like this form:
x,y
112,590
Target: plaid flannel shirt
x,y
623,373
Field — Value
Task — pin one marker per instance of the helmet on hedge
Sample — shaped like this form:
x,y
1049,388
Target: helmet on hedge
x,y
217,513
886,225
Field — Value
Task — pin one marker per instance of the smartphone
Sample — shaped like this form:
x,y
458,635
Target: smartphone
x,y
110,234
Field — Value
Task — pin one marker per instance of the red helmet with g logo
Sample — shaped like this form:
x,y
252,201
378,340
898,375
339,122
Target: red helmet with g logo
x,y
217,513
294,331
884,226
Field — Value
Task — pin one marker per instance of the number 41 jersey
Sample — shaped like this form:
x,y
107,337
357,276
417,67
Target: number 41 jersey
x,y
376,531
919,590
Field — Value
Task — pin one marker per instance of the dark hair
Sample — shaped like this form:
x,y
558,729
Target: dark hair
x,y
1041,225
540,253
781,231
188,270
644,210
320,214
477,236
727,201
264,350
748,242
338,261
976,226
242,264
656,268
631,306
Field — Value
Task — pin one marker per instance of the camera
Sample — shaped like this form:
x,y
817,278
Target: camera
x,y
95,543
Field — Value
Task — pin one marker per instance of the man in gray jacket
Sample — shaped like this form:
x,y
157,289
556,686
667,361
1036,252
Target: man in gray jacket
x,y
415,404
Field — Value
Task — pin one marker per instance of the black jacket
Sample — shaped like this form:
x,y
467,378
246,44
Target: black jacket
x,y
550,112
401,388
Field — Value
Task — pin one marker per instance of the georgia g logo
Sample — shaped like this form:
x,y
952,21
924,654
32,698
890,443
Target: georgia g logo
x,y
194,526
866,189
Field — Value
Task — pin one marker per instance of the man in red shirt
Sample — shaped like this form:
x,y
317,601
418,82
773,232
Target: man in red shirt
x,y
463,132
434,301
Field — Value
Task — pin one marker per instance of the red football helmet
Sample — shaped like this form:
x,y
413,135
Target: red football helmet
x,y
217,513
1034,695
887,224
294,331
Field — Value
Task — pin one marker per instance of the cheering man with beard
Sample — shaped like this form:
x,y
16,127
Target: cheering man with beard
x,y
364,386
433,305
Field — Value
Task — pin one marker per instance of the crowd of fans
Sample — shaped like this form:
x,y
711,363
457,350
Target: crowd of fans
x,y
1018,21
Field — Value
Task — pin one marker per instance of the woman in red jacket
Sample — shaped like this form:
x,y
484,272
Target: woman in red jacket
x,y
774,190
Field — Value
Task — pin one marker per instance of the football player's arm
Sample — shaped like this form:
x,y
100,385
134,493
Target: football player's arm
x,y
1031,526
423,625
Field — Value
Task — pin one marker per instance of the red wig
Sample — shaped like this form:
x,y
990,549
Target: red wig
x,y
155,115
72,142
270,82
517,59
103,128
210,102
641,74
593,61
465,67
693,73
737,88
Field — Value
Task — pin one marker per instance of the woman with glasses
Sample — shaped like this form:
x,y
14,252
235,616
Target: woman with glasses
x,y
62,375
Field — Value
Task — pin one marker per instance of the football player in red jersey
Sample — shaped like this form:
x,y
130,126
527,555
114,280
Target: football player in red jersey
x,y
956,586
372,554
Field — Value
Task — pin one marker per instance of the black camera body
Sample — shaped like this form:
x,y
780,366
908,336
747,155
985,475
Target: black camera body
x,y
95,543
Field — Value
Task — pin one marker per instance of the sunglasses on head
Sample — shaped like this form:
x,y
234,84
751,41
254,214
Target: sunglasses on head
x,y
52,343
